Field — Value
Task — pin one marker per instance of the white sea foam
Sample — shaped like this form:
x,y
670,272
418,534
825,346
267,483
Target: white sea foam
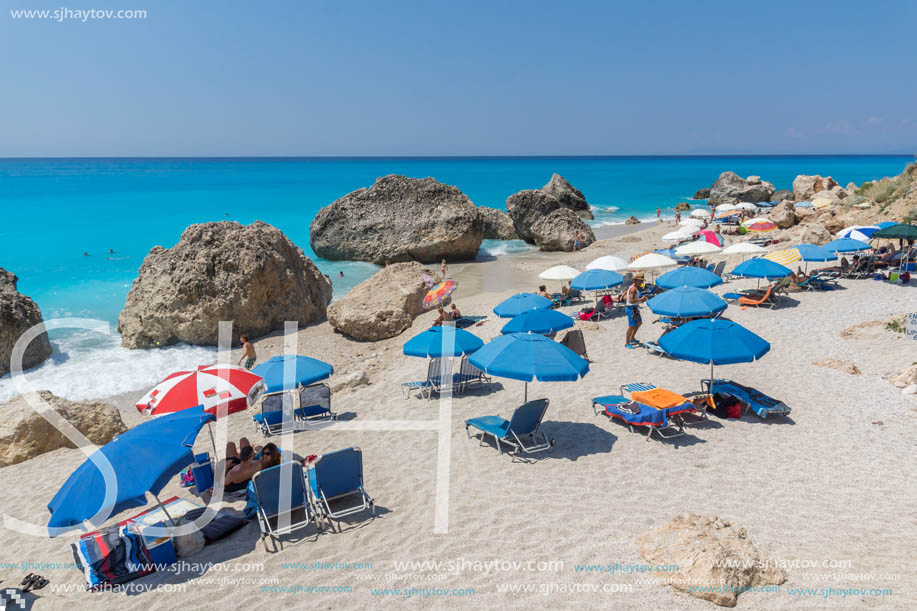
x,y
499,248
86,365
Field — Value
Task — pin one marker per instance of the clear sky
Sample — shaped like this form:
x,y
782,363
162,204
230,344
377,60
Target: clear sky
x,y
354,77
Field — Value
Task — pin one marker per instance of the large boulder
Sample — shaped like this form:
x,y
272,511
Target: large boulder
x,y
816,233
18,314
805,186
25,434
784,215
708,550
685,206
497,224
252,275
730,188
399,219
560,229
568,196
527,207
701,194
783,194
382,306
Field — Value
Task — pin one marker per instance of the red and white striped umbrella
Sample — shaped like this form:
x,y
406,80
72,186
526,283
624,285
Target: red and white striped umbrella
x,y
208,385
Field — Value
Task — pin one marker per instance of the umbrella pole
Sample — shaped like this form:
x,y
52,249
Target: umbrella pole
x,y
212,440
164,510
526,395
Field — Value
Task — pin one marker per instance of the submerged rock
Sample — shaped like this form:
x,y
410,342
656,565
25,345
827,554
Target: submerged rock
x,y
685,206
25,434
18,314
708,550
730,188
399,219
632,220
383,305
497,224
252,275
701,194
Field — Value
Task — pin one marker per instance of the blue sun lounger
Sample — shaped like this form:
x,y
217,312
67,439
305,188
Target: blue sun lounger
x,y
618,407
336,485
525,423
751,398
276,518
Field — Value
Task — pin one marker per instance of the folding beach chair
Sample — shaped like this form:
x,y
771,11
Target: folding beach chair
x,y
575,341
751,398
276,517
336,485
469,375
634,414
525,423
277,414
766,299
718,270
315,404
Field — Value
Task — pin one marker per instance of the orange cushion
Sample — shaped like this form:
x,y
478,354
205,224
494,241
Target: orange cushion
x,y
659,398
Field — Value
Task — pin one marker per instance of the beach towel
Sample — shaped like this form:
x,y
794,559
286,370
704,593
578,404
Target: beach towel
x,y
111,556
647,416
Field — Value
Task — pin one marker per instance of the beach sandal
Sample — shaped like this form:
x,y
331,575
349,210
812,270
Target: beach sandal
x,y
33,582
630,346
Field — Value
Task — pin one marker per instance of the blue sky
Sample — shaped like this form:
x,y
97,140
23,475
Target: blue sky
x,y
200,77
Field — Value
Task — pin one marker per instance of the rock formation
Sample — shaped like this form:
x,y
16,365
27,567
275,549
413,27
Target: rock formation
x,y
783,194
684,206
816,233
497,224
632,220
399,219
784,215
382,306
252,275
18,314
25,434
805,187
701,194
730,188
558,231
708,548
848,367
527,207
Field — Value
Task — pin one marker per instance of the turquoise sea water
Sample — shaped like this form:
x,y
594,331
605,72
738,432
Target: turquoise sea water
x,y
54,210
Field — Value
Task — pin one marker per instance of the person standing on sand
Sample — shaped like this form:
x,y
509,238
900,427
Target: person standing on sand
x,y
658,214
576,240
678,216
442,271
248,353
633,310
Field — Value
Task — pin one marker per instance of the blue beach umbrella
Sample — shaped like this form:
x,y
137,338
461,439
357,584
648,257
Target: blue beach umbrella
x,y
846,245
521,302
596,280
527,357
715,341
303,370
439,342
811,252
140,460
688,276
686,302
539,321
761,268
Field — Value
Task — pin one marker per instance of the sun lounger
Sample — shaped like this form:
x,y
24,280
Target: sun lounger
x,y
277,414
336,485
751,398
276,516
315,403
575,341
436,381
633,414
469,375
525,423
677,406
766,299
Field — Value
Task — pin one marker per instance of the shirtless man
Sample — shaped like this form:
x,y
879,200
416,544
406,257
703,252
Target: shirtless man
x,y
240,467
248,353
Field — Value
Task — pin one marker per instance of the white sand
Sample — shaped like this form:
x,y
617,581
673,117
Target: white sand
x,y
832,483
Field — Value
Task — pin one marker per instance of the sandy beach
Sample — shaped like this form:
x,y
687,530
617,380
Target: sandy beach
x,y
831,485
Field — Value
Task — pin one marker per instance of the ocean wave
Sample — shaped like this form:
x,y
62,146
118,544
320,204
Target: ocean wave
x,y
86,366
499,248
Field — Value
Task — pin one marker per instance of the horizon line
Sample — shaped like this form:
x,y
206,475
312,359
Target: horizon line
x,y
412,157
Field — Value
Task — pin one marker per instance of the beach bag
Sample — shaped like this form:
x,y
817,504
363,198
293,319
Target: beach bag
x,y
734,410
585,314
111,556
190,544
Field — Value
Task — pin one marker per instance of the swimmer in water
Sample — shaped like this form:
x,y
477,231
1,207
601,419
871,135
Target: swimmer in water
x,y
111,251
85,254
341,273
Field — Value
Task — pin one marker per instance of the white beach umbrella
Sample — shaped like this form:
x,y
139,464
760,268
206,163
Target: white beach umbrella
x,y
725,207
653,260
744,248
745,206
559,272
699,213
696,222
700,247
609,262
678,236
